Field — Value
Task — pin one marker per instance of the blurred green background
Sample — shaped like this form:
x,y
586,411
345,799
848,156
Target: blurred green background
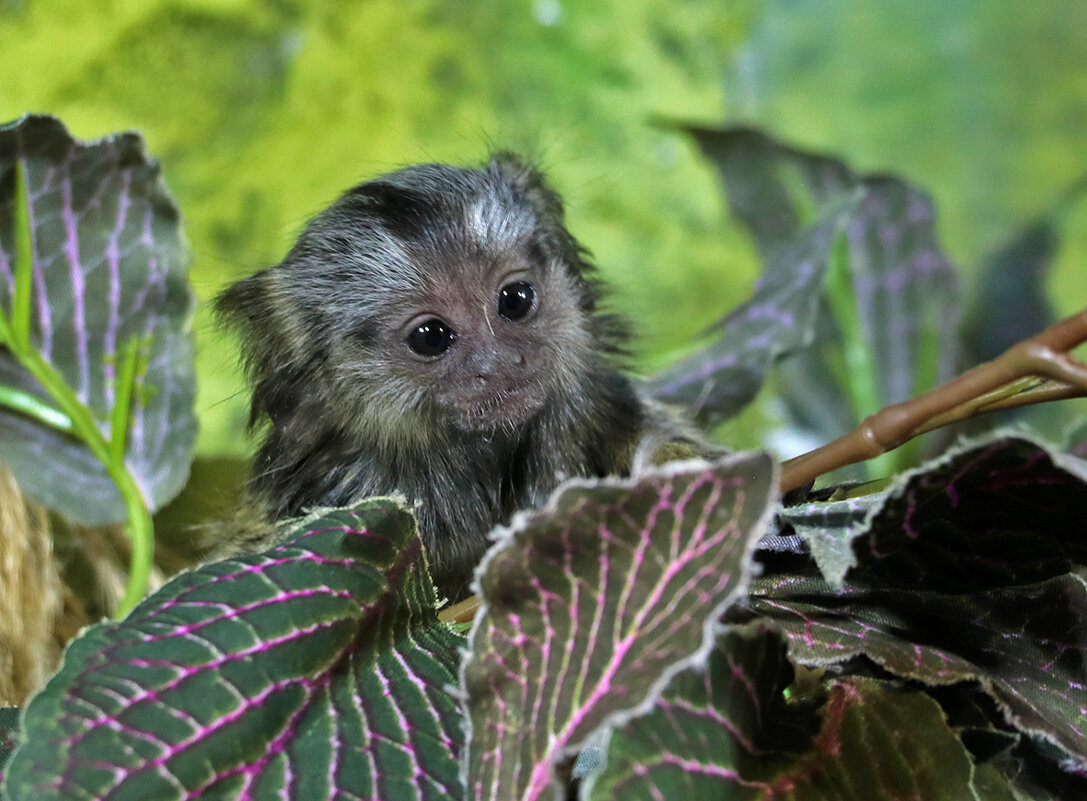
x,y
262,111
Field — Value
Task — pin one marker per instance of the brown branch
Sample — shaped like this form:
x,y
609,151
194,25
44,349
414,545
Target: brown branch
x,y
1036,370
461,612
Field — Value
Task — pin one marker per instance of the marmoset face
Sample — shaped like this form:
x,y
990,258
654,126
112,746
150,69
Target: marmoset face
x,y
438,300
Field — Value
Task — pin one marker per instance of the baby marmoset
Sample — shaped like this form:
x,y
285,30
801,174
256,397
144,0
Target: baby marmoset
x,y
435,333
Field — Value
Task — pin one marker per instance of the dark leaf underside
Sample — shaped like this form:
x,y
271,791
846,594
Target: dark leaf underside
x,y
972,569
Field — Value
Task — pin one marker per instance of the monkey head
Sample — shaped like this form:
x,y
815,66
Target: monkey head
x,y
431,303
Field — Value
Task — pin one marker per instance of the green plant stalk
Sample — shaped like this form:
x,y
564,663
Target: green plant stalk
x,y
72,415
860,383
140,527
32,406
7,336
927,376
126,384
793,182
24,260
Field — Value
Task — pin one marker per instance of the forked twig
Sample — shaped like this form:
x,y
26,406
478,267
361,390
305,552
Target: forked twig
x,y
1035,370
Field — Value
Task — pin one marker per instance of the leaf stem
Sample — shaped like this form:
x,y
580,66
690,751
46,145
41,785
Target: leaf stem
x,y
32,406
72,415
140,527
141,533
122,401
24,262
860,373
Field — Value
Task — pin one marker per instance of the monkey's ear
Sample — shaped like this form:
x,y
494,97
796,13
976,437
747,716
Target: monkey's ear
x,y
258,309
273,340
243,302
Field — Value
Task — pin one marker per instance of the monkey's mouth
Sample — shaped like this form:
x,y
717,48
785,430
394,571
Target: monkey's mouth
x,y
510,406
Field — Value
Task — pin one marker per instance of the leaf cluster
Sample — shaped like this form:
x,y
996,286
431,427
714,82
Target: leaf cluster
x,y
684,632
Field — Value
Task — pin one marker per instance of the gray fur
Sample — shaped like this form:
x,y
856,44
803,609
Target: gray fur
x,y
346,410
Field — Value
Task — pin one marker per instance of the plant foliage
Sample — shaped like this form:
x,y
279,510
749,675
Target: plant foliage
x,y
591,605
317,668
856,290
728,732
108,269
677,634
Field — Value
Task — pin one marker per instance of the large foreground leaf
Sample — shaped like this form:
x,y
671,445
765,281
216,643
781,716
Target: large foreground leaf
x,y
726,731
314,670
974,568
109,265
591,604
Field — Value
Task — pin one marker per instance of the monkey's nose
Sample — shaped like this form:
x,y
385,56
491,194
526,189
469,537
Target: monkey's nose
x,y
496,362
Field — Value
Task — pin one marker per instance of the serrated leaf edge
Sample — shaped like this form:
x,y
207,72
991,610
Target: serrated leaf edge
x,y
503,537
1065,461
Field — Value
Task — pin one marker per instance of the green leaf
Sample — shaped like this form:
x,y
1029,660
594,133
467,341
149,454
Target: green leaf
x,y
726,731
592,603
108,265
316,669
123,397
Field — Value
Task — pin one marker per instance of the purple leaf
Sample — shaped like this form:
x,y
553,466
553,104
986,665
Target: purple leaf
x,y
1010,304
725,730
828,528
109,265
906,291
725,376
314,670
775,190
971,569
902,291
593,602
903,308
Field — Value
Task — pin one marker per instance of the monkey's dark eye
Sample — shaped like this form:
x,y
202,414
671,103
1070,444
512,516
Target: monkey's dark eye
x,y
431,338
515,300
